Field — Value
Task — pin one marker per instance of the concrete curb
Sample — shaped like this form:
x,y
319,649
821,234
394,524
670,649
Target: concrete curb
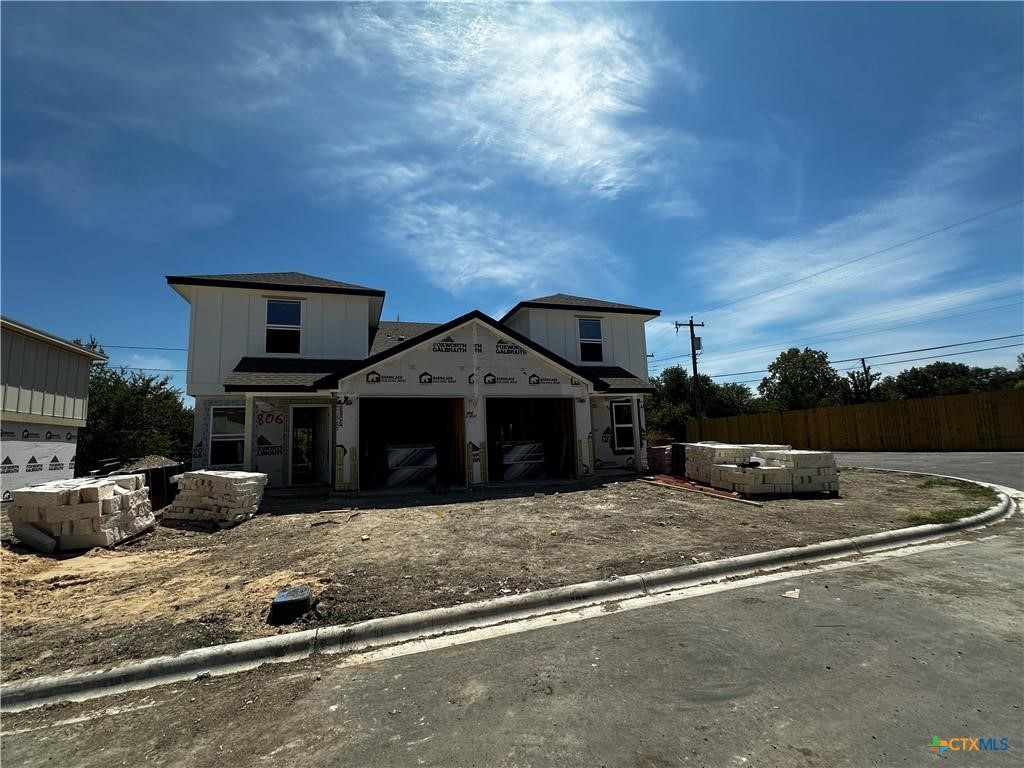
x,y
248,654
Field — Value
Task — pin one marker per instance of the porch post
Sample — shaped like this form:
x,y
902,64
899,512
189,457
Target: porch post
x,y
247,449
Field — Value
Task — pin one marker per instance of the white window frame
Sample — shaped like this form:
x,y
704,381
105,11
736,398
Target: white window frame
x,y
268,326
580,341
224,438
616,426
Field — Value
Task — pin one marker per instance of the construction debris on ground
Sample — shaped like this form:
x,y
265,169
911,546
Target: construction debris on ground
x,y
212,498
762,470
81,513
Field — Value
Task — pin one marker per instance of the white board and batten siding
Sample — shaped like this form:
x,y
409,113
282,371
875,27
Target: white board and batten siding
x,y
45,391
227,324
623,341
43,383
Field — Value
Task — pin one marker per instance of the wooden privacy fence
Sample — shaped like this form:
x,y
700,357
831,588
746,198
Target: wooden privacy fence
x,y
988,421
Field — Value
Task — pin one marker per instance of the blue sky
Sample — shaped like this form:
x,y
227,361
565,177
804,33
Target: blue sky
x,y
695,158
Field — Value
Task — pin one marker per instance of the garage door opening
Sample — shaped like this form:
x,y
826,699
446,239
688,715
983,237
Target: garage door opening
x,y
411,443
530,439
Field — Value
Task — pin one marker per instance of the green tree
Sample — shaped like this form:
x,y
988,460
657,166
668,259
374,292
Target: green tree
x,y
132,414
940,378
672,402
861,385
801,379
669,406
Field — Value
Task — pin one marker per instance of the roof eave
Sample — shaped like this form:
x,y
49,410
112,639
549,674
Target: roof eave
x,y
56,341
176,280
646,312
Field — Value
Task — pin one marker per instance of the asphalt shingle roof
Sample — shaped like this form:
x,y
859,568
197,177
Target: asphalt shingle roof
x,y
297,280
566,301
391,333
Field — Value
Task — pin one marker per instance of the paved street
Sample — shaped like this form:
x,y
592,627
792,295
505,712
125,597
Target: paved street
x,y
1004,468
864,668
869,663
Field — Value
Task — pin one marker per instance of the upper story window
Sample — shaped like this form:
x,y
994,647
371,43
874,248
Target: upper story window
x,y
591,350
284,326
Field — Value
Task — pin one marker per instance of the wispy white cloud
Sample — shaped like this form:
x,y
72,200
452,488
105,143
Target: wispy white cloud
x,y
681,207
94,199
546,88
459,247
945,272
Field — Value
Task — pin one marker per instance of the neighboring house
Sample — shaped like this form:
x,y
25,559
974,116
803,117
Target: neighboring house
x,y
45,383
298,377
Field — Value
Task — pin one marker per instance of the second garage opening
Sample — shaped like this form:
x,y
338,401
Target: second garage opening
x,y
530,439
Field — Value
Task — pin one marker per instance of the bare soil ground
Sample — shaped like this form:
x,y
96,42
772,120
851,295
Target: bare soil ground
x,y
173,590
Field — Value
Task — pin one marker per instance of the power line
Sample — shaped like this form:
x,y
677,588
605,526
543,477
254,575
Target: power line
x,y
890,354
867,256
157,370
889,262
929,349
952,354
873,326
129,346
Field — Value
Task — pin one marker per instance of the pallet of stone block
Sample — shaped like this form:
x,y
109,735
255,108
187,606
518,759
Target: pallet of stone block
x,y
104,510
701,457
752,481
208,497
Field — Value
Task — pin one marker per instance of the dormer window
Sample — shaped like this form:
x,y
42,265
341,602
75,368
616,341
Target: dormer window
x,y
284,327
590,340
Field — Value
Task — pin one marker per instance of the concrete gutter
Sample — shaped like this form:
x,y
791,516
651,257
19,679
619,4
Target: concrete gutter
x,y
248,654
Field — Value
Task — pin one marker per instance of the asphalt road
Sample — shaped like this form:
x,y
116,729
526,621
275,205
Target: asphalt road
x,y
1004,468
863,669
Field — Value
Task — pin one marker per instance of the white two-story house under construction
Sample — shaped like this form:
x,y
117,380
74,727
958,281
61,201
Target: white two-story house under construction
x,y
298,377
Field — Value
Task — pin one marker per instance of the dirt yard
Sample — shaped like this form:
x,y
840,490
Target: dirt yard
x,y
173,590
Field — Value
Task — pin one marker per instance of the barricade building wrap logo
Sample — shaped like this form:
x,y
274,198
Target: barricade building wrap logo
x,y
428,378
968,744
490,378
33,466
377,378
8,467
536,380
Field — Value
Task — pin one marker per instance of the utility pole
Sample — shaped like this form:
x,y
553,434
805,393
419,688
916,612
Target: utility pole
x,y
694,345
867,381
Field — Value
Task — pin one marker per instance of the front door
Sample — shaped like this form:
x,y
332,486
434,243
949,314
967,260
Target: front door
x,y
305,449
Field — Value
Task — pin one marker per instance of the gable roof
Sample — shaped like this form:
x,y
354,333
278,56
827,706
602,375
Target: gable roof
x,y
565,301
391,333
276,280
589,373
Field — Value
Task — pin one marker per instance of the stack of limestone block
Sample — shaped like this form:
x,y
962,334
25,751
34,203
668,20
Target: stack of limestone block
x,y
214,498
782,471
81,513
701,458
811,471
